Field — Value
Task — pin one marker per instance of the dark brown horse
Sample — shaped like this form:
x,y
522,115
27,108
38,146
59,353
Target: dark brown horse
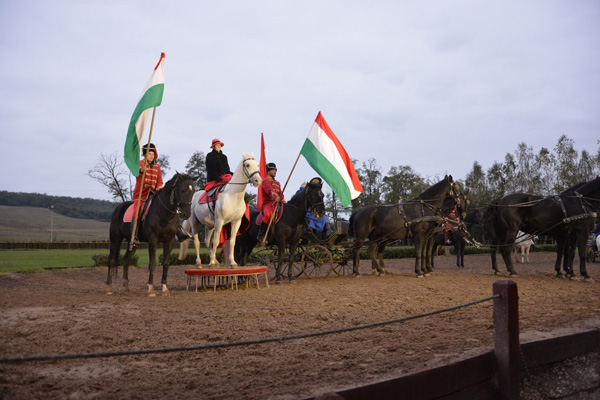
x,y
561,216
416,219
287,232
159,226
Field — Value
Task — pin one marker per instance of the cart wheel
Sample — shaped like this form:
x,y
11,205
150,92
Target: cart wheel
x,y
264,256
342,265
317,262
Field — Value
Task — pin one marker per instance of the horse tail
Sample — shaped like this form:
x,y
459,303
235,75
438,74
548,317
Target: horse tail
x,y
183,247
351,224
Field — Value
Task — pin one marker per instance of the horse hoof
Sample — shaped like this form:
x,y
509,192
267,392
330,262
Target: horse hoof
x,y
588,280
278,282
293,282
497,273
199,267
426,274
419,276
357,275
560,276
109,292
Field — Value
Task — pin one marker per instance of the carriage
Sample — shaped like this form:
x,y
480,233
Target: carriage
x,y
592,251
315,256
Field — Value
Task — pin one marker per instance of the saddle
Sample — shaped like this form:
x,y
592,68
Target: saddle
x,y
129,213
212,194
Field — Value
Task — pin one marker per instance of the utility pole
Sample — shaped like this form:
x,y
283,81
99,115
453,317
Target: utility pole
x,y
51,223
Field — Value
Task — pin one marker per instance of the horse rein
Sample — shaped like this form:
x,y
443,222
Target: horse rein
x,y
174,196
246,173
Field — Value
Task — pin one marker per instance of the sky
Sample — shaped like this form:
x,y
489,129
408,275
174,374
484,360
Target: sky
x,y
436,85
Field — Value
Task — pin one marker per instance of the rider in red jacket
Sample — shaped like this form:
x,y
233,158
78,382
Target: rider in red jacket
x,y
271,196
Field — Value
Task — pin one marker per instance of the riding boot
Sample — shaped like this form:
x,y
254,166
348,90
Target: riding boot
x,y
182,235
135,240
261,234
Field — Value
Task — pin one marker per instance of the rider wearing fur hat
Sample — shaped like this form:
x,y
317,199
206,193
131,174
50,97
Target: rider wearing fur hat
x,y
271,196
217,166
152,179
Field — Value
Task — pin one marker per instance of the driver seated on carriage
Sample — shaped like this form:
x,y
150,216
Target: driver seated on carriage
x,y
318,226
449,225
218,172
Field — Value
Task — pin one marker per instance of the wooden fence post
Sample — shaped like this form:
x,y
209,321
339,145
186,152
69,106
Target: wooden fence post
x,y
506,338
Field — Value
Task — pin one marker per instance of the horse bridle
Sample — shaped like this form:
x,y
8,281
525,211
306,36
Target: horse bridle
x,y
246,173
174,199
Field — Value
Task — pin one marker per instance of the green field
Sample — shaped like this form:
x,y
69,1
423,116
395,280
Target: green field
x,y
34,224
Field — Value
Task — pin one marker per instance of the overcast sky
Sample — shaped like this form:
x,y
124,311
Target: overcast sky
x,y
435,85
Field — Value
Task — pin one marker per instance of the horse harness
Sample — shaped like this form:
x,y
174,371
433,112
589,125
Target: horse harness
x,y
173,199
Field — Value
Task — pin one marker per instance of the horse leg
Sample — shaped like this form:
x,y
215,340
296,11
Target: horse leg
x,y
560,249
113,262
434,252
214,242
463,245
429,255
581,245
167,247
371,250
418,250
151,266
235,227
280,256
507,257
126,261
380,250
493,253
291,276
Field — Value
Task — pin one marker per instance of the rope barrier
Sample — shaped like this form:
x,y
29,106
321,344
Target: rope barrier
x,y
56,357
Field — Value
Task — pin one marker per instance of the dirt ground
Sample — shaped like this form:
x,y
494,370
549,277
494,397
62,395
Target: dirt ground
x,y
68,312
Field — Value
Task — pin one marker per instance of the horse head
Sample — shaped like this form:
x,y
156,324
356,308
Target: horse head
x,y
180,189
314,197
251,169
462,203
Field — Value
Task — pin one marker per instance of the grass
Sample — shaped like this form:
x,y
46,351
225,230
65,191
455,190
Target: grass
x,y
25,224
33,261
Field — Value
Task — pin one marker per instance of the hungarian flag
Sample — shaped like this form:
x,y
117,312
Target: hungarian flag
x,y
263,169
151,97
327,156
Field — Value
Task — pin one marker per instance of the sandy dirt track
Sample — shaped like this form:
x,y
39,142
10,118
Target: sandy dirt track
x,y
69,312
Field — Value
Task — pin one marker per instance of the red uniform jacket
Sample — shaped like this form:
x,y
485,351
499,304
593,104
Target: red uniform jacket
x,y
152,182
270,189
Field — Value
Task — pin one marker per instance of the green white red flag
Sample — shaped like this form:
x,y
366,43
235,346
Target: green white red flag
x,y
324,152
151,97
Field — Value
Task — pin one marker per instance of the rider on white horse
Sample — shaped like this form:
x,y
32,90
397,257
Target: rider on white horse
x,y
217,166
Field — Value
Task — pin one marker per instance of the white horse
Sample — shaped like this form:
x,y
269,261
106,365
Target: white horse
x,y
228,209
523,244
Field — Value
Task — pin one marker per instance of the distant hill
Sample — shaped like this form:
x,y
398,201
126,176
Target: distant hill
x,y
33,224
74,207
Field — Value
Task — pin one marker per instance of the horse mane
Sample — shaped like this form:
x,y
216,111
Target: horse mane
x,y
434,189
585,188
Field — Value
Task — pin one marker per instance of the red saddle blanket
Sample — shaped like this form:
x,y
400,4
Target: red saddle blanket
x,y
261,216
128,216
212,194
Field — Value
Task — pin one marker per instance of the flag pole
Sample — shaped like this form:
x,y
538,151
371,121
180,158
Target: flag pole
x,y
274,216
135,217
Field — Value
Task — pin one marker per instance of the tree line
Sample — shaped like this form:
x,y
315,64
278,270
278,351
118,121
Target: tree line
x,y
99,210
545,172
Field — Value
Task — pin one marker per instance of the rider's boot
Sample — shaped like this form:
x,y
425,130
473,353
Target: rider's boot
x,y
135,241
261,234
182,235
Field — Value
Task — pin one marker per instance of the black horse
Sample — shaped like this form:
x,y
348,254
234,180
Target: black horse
x,y
416,219
456,238
560,216
159,226
459,237
287,232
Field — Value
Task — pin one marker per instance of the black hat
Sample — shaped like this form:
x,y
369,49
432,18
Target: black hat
x,y
152,148
271,166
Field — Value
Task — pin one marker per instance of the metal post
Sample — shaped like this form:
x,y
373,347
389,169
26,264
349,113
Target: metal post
x,y
506,338
51,223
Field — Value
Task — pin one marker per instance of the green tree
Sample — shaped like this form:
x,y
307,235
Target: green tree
x,y
477,185
196,166
371,180
401,184
545,163
566,164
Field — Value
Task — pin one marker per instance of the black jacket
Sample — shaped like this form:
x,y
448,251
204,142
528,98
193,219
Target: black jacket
x,y
216,165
